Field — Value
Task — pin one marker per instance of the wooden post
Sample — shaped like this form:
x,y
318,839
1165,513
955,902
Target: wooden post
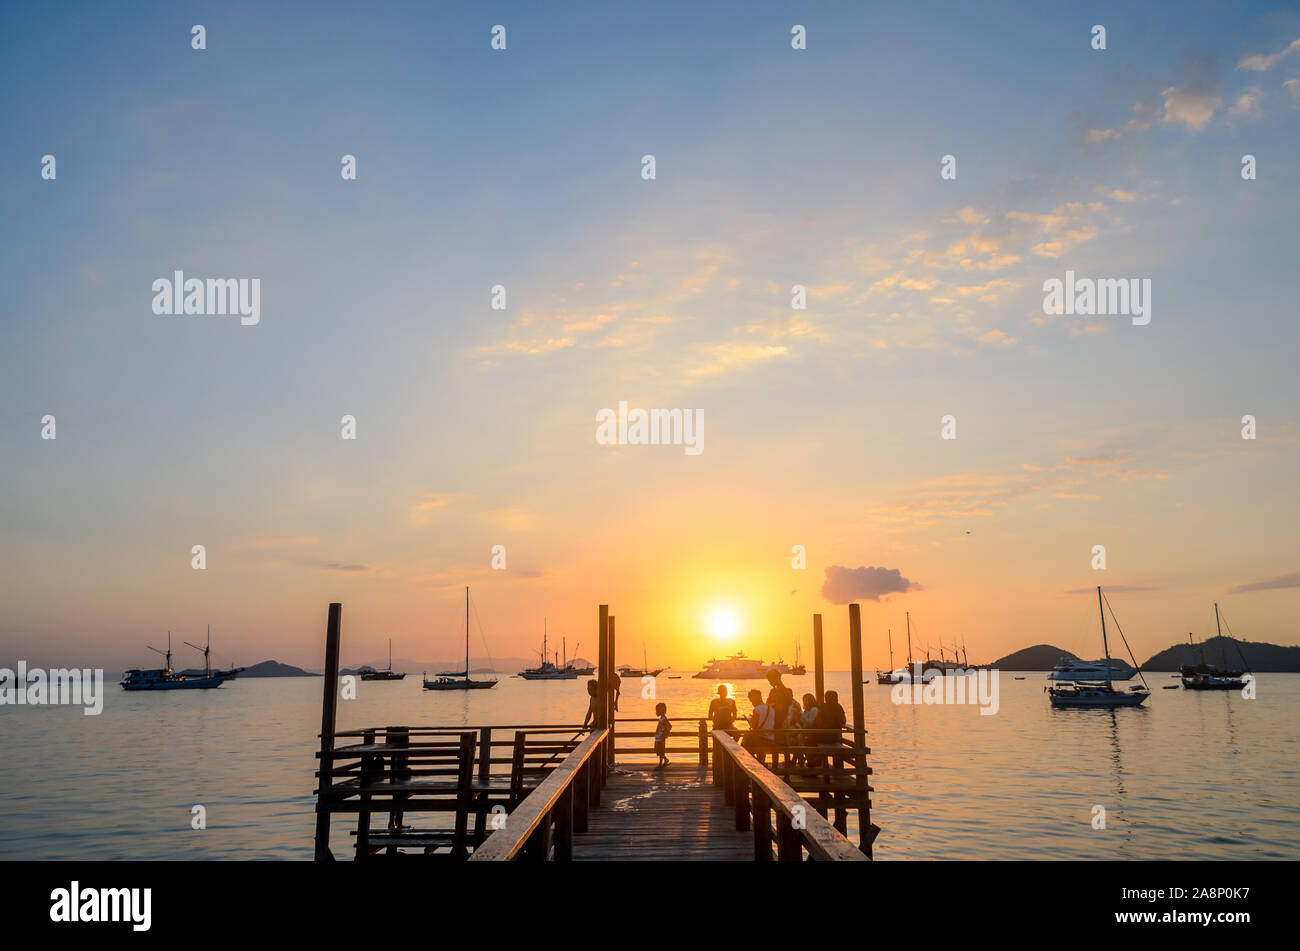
x,y
788,846
610,699
328,721
859,728
762,826
564,826
603,669
855,663
484,775
581,799
741,782
602,689
819,667
704,743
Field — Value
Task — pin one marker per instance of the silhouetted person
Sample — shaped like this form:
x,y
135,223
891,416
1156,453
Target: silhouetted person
x,y
779,699
722,710
762,726
661,734
593,691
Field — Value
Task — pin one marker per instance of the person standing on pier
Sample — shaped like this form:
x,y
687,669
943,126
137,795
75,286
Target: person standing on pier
x,y
779,699
722,710
661,733
593,691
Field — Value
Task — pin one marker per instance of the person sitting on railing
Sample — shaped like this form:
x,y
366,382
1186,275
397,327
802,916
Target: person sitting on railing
x,y
761,737
808,720
833,718
722,710
790,730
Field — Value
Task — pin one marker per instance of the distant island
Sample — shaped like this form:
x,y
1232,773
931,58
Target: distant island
x,y
1221,651
273,668
1038,657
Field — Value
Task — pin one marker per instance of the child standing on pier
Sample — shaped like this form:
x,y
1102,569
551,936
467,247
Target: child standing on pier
x,y
661,734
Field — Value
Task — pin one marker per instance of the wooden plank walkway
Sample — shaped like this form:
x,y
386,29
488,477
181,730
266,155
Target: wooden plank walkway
x,y
669,815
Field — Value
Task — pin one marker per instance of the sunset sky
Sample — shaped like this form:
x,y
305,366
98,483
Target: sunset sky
x,y
476,427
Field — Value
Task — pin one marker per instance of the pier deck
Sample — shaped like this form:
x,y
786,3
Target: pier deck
x,y
673,814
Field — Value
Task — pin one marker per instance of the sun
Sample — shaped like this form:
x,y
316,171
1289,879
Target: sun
x,y
723,624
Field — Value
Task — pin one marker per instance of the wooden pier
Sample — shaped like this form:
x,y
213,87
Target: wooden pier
x,y
564,793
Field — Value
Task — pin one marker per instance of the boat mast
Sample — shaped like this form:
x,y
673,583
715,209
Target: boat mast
x,y
467,632
1223,651
909,638
1105,646
889,633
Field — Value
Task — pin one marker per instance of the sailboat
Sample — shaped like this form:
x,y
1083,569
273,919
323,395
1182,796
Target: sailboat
x,y
799,668
1092,687
369,673
460,679
628,671
548,671
167,679
1207,676
900,676
889,677
230,674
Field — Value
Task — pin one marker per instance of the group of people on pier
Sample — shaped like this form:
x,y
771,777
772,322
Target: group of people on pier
x,y
781,720
776,722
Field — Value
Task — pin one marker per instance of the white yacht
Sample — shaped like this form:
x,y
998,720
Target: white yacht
x,y
735,667
1096,670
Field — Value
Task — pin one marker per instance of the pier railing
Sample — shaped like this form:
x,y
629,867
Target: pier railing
x,y
774,811
396,772
542,826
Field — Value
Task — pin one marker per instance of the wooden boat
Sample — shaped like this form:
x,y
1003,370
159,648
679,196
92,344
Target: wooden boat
x,y
1208,677
1098,691
459,679
167,679
546,670
369,673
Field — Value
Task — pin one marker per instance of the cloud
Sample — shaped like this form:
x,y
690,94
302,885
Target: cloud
x,y
1293,87
1271,584
1192,106
337,566
852,584
1247,104
735,356
1260,62
1144,113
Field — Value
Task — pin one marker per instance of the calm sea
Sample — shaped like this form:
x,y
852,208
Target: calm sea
x,y
1193,776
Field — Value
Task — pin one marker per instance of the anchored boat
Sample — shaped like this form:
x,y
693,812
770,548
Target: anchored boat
x,y
548,671
167,679
1208,677
1091,686
460,679
627,670
369,673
